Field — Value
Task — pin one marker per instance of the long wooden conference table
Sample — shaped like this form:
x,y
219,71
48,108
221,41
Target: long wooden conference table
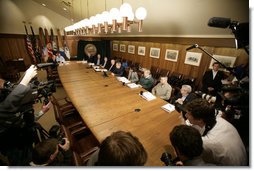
x,y
106,106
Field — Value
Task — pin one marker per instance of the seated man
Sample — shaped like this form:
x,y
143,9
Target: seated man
x,y
59,58
133,74
48,153
162,89
119,70
98,60
182,98
105,62
119,149
147,81
188,146
112,65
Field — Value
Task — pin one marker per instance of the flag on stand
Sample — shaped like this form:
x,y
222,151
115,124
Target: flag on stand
x,y
30,46
35,44
43,45
49,45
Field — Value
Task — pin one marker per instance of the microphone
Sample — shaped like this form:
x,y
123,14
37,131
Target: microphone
x,y
191,47
219,22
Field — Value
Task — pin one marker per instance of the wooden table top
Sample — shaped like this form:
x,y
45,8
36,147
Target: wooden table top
x,y
106,106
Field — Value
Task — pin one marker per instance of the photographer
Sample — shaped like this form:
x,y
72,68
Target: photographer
x,y
16,134
188,145
52,153
221,141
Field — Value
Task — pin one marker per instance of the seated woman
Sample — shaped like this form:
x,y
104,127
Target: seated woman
x,y
133,75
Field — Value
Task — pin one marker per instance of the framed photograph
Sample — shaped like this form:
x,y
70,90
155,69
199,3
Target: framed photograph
x,y
171,55
115,47
122,48
142,50
155,52
193,58
228,61
131,49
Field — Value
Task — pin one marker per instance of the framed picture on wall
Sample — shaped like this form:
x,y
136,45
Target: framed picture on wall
x,y
142,50
131,49
122,48
228,61
171,55
193,58
155,52
115,47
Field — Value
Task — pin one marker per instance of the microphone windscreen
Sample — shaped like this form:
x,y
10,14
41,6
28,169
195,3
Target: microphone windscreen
x,y
219,22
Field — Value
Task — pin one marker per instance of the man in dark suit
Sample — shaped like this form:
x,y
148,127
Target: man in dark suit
x,y
98,60
182,98
212,80
112,65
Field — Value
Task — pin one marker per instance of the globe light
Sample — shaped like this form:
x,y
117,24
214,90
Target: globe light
x,y
141,13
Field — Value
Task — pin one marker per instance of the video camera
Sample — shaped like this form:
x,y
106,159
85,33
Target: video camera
x,y
208,97
42,90
166,158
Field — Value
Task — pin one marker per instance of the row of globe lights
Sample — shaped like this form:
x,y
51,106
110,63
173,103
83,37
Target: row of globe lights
x,y
113,19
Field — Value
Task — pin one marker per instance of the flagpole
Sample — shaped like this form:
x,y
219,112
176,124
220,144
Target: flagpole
x,y
29,45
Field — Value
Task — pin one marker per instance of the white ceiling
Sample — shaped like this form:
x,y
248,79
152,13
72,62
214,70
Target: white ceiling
x,y
166,18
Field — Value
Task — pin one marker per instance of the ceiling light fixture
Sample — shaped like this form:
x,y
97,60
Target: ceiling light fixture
x,y
115,20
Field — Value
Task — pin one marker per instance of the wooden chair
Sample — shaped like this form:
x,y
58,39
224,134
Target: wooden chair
x,y
66,114
154,71
189,80
163,72
83,145
52,74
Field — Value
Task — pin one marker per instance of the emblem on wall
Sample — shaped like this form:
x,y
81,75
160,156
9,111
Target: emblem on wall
x,y
90,49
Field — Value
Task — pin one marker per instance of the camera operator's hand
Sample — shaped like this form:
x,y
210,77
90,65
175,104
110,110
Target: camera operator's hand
x,y
46,107
30,73
66,146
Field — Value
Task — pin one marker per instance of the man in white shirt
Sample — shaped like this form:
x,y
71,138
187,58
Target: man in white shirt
x,y
221,141
59,58
163,89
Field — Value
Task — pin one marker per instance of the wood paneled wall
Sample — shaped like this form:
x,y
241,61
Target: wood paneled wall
x,y
179,66
14,47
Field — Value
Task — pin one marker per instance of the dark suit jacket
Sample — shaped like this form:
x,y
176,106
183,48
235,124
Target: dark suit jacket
x,y
181,108
188,99
100,61
208,81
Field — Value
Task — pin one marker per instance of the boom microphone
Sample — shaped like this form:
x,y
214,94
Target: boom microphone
x,y
219,22
191,47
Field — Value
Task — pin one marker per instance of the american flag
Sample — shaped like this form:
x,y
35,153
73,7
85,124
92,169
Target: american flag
x,y
30,48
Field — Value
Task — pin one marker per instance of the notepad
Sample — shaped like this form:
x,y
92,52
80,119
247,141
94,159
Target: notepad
x,y
168,107
123,79
148,96
134,85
